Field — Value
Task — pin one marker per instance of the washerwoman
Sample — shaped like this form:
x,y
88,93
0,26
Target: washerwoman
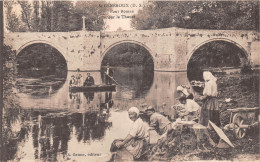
x,y
210,108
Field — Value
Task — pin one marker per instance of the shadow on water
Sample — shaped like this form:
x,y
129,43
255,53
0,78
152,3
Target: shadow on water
x,y
13,132
134,82
51,130
40,86
41,70
89,120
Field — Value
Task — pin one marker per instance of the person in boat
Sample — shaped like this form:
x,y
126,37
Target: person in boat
x,y
183,90
191,108
158,122
210,108
136,142
78,77
89,80
72,81
108,74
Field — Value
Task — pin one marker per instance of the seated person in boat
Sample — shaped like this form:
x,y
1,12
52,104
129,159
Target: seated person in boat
x,y
89,80
183,90
191,108
78,78
136,141
72,81
158,122
108,75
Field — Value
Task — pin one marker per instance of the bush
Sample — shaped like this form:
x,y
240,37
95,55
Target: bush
x,y
10,99
247,69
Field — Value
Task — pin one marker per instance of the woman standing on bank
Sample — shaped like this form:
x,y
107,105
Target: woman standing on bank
x,y
210,109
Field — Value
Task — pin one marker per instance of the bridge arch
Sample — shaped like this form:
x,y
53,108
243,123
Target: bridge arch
x,y
55,58
127,41
57,47
217,39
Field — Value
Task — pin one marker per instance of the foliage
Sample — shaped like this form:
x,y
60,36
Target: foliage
x,y
41,57
217,54
94,14
199,15
219,15
128,55
55,16
9,77
12,19
26,13
216,57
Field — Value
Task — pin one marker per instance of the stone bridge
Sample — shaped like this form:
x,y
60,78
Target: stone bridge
x,y
170,48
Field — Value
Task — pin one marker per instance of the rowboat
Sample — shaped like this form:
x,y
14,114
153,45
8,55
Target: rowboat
x,y
102,87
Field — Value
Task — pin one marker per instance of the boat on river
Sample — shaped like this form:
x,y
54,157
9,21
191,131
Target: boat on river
x,y
99,88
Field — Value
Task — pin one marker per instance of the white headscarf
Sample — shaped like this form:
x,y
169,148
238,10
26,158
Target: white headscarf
x,y
134,109
207,76
183,90
210,84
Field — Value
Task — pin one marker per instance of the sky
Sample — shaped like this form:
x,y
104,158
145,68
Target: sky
x,y
123,23
131,6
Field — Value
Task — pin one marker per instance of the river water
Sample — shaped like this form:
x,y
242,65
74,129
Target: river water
x,y
55,124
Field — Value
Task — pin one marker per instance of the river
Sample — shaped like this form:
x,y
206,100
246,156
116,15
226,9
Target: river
x,y
55,124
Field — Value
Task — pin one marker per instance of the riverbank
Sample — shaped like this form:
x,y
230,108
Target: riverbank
x,y
235,90
159,90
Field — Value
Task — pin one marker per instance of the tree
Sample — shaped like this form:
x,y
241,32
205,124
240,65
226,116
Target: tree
x,y
199,15
128,54
41,57
94,13
10,98
36,15
13,22
26,10
56,16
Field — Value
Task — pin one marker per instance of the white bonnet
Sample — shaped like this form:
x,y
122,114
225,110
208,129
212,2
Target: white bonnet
x,y
134,109
179,88
207,76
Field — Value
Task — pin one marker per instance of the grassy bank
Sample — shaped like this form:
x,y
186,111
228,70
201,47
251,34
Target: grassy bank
x,y
243,90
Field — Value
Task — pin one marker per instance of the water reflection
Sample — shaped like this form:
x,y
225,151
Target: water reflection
x,y
64,122
133,82
41,86
76,99
51,131
14,132
89,96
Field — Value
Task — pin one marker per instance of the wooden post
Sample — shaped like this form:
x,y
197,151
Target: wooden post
x,y
83,23
1,72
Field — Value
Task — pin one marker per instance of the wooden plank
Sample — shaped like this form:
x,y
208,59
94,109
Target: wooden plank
x,y
94,88
243,109
221,134
112,78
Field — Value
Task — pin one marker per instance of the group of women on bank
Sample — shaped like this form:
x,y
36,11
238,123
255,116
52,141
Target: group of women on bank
x,y
136,141
210,108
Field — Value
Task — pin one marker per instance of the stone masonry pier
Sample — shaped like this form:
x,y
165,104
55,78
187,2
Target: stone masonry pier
x,y
170,48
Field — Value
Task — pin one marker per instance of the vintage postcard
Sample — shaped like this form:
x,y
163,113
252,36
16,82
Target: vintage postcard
x,y
139,80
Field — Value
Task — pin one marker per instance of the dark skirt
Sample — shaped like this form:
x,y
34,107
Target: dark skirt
x,y
190,96
210,111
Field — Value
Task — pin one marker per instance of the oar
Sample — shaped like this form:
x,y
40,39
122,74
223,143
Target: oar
x,y
112,78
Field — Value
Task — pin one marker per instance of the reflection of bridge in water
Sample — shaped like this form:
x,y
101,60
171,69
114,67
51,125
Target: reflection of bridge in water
x,y
51,130
170,48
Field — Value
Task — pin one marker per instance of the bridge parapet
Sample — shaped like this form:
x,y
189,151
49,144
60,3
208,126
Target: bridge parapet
x,y
170,48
